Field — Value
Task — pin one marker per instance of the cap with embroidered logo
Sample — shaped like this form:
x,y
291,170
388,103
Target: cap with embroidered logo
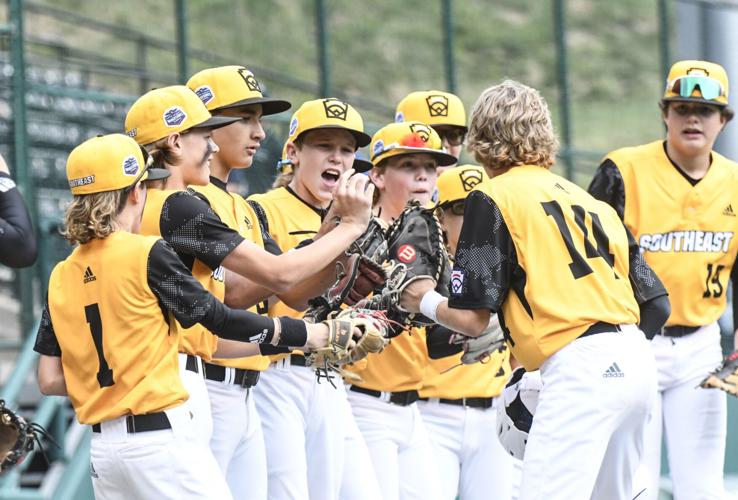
x,y
697,81
456,183
328,113
107,163
231,87
433,107
168,110
408,138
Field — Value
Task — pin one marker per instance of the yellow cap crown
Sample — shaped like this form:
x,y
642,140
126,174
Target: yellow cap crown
x,y
230,87
408,138
697,81
105,163
167,110
456,183
433,107
328,113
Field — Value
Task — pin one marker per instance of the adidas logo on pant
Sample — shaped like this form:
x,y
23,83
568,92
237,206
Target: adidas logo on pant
x,y
613,371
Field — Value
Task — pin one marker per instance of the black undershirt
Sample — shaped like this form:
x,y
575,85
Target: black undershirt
x,y
17,238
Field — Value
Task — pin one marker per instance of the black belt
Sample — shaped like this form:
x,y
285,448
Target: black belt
x,y
470,402
402,398
297,360
244,378
600,327
678,330
143,423
192,365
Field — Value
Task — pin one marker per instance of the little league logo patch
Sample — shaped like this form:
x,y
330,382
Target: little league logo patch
x,y
437,105
174,116
457,281
399,117
422,130
205,93
470,178
132,133
293,126
407,253
251,82
335,108
378,148
130,166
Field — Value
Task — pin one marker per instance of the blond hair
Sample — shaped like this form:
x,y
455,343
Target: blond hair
x,y
162,154
511,125
91,216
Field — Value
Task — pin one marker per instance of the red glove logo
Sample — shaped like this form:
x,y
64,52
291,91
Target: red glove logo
x,y
406,253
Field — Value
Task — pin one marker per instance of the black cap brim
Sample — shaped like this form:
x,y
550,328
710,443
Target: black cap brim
x,y
269,106
362,139
695,100
442,158
157,174
217,122
361,166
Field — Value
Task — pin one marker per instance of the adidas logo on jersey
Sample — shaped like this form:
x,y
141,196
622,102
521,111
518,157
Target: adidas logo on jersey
x,y
729,210
613,372
89,276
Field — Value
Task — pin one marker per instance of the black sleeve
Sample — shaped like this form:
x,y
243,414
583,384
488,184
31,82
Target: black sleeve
x,y
17,238
270,245
644,281
654,314
608,186
437,339
191,227
182,295
485,262
46,342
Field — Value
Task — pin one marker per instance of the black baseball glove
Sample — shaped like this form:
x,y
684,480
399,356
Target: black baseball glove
x,y
17,437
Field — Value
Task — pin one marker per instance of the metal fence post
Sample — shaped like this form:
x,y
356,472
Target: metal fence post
x,y
562,72
183,63
663,16
324,68
447,26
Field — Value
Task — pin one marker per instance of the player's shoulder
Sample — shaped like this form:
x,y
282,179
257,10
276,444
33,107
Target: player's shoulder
x,y
273,196
725,163
628,155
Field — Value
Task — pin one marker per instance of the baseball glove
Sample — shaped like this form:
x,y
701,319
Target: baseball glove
x,y
479,349
17,437
358,275
515,410
342,349
416,250
725,377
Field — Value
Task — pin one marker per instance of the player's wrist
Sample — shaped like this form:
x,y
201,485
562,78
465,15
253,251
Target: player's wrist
x,y
429,304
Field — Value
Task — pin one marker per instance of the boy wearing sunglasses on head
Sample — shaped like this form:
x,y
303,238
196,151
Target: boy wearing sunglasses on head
x,y
676,196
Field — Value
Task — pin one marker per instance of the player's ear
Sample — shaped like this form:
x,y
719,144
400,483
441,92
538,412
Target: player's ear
x,y
377,177
291,150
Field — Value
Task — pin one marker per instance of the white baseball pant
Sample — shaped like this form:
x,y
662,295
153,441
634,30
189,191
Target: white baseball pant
x,y
199,401
586,440
471,461
162,464
694,420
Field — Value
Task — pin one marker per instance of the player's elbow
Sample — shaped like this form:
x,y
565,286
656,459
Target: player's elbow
x,y
282,281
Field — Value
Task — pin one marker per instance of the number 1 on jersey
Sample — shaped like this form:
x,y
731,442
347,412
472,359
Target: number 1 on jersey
x,y
578,265
104,374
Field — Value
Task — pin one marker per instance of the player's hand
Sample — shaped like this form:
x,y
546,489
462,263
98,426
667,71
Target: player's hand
x,y
352,198
318,336
4,166
413,294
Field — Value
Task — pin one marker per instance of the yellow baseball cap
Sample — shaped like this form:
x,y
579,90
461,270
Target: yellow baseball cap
x,y
433,107
107,163
697,81
231,87
328,113
456,183
167,110
408,138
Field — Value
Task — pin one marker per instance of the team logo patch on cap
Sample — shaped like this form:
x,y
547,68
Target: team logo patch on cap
x,y
437,105
293,126
378,148
422,130
335,109
132,133
407,253
130,166
205,93
174,116
399,117
251,82
470,178
457,281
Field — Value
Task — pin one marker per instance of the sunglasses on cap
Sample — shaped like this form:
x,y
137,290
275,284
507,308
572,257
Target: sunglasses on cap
x,y
453,136
685,85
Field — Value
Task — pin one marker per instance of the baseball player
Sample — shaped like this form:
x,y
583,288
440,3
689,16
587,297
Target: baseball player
x,y
174,125
443,111
17,238
457,403
308,427
405,157
105,343
677,197
569,287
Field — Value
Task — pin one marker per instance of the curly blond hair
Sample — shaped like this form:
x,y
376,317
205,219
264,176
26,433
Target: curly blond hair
x,y
91,216
510,126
